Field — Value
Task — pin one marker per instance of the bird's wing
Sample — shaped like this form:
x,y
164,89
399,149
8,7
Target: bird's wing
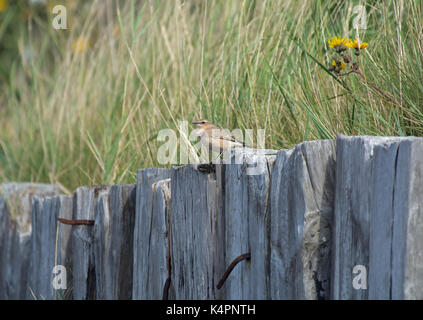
x,y
218,133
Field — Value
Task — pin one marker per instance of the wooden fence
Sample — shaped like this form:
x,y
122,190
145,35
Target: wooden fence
x,y
326,220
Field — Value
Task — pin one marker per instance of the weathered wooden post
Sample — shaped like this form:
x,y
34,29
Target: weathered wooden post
x,y
16,246
18,263
152,206
196,234
113,242
83,262
4,244
407,234
378,237
307,223
50,247
64,245
246,213
301,212
158,248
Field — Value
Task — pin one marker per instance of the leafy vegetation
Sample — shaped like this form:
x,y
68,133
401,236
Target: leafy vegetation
x,y
85,105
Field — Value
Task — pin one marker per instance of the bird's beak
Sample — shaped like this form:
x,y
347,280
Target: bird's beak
x,y
196,122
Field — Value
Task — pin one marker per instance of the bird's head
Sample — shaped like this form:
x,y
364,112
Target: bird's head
x,y
200,123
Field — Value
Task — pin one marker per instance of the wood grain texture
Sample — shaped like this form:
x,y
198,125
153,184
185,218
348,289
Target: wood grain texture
x,y
4,244
83,262
63,250
158,251
142,232
50,246
113,242
364,194
407,248
301,211
304,218
378,209
246,224
16,243
194,224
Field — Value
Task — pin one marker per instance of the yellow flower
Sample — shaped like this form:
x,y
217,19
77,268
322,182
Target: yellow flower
x,y
336,42
363,45
81,44
4,5
354,44
341,65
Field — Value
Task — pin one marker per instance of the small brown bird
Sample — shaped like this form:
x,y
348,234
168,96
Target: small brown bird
x,y
216,138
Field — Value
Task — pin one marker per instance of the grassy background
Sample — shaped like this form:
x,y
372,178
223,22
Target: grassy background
x,y
84,105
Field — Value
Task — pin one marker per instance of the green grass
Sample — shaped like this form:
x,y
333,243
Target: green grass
x,y
93,117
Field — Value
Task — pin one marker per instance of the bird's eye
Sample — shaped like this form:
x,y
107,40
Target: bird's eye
x,y
203,122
